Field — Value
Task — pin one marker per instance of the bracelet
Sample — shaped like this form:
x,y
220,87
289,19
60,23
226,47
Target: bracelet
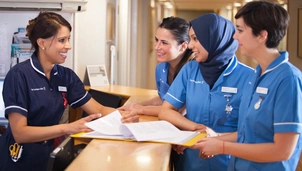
x,y
222,147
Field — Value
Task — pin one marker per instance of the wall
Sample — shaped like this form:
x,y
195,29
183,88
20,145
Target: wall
x,y
90,36
189,15
292,34
9,23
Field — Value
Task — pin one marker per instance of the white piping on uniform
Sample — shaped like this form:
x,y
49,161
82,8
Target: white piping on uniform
x,y
174,98
288,123
269,70
31,62
8,107
228,73
79,99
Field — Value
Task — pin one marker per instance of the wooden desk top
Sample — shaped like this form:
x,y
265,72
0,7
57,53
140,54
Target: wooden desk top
x,y
125,90
113,155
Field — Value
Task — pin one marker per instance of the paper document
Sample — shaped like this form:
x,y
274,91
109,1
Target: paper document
x,y
97,75
111,127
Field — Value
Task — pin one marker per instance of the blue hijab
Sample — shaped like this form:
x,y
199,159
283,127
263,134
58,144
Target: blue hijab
x,y
215,34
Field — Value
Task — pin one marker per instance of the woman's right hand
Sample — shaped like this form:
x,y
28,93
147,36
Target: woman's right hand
x,y
79,125
200,128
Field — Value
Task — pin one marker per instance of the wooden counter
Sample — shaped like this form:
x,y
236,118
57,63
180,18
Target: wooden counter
x,y
128,94
111,155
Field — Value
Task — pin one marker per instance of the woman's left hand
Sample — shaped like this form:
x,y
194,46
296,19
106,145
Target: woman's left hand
x,y
129,116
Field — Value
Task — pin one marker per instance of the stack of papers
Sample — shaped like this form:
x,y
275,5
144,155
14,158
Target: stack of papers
x,y
111,127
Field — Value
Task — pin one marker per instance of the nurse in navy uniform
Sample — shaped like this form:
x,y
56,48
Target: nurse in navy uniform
x,y
36,93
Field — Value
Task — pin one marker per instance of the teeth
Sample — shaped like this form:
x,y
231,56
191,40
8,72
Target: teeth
x,y
64,54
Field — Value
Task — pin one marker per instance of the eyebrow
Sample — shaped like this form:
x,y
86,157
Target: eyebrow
x,y
239,26
63,37
192,35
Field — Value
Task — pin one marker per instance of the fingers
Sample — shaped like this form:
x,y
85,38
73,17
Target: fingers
x,y
179,149
122,108
86,130
201,128
126,107
92,117
205,156
130,116
130,119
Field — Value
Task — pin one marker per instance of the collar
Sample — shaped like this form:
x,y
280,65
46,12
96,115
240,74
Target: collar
x,y
276,63
232,65
36,65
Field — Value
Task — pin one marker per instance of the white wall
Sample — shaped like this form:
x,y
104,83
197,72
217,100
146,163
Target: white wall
x,y
90,32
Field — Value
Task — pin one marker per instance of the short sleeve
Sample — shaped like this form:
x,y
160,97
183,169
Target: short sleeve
x,y
176,94
288,108
15,94
76,94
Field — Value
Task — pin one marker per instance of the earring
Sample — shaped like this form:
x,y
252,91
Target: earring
x,y
43,48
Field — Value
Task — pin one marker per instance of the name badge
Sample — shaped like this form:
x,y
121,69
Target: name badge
x,y
63,89
261,90
228,89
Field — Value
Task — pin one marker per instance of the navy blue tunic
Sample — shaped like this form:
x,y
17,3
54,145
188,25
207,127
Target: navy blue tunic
x,y
27,91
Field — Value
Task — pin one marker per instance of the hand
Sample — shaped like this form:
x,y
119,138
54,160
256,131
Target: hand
x,y
200,128
129,116
211,132
132,107
179,149
209,147
79,125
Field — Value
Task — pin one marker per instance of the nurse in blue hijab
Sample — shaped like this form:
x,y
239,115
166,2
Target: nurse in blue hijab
x,y
215,35
211,87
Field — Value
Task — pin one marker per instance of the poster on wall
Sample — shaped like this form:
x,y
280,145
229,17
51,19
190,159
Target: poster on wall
x,y
97,75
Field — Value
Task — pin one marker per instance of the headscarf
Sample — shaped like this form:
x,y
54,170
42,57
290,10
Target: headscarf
x,y
215,34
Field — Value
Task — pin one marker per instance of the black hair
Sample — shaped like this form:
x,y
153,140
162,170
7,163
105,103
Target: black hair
x,y
269,16
179,28
45,25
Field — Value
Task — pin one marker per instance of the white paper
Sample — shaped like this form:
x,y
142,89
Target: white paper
x,y
107,125
97,75
158,131
111,127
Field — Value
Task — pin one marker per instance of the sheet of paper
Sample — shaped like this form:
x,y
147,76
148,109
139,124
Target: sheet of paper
x,y
97,75
179,138
145,131
107,125
95,134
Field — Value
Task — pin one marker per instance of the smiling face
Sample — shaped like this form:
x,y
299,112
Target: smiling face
x,y
248,43
56,47
166,47
200,54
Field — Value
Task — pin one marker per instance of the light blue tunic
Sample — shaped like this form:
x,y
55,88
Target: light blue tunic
x,y
161,76
279,109
207,106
